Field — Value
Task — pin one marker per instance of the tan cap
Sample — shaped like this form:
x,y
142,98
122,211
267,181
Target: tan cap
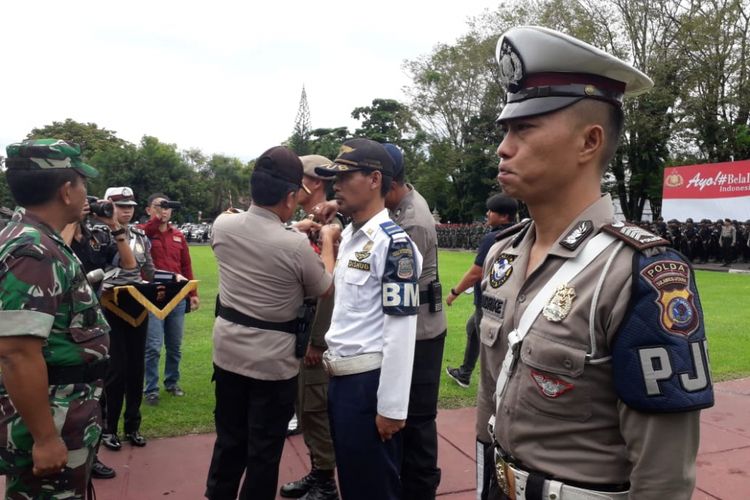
x,y
309,162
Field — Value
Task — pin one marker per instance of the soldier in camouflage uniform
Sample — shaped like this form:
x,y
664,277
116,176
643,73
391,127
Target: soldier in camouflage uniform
x,y
54,340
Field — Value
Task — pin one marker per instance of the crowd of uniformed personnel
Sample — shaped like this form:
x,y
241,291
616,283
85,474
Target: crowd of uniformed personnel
x,y
701,242
594,362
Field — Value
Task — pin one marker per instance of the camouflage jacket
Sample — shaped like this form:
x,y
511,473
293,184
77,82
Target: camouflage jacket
x,y
44,293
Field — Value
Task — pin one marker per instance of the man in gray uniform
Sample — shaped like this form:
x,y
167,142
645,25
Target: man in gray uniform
x,y
265,272
594,362
420,475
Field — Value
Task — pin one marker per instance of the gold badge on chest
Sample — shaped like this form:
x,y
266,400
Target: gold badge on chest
x,y
558,307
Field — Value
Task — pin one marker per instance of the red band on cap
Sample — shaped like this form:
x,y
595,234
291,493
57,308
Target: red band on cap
x,y
547,79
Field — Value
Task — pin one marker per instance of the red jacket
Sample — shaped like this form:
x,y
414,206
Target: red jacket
x,y
169,249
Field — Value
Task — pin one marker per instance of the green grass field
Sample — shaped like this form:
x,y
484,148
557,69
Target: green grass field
x,y
724,298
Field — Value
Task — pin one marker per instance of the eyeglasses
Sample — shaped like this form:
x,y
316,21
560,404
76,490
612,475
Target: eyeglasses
x,y
305,188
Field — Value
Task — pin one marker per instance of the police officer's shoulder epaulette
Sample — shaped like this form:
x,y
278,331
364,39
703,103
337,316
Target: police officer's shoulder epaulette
x,y
138,231
519,229
635,236
32,251
391,228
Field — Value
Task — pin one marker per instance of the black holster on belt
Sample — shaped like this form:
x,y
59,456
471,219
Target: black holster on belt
x,y
77,374
432,296
305,317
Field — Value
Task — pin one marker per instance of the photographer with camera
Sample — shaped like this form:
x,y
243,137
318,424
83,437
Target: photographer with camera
x,y
124,381
169,251
97,249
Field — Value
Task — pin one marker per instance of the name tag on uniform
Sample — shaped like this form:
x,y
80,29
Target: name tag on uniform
x,y
362,266
176,238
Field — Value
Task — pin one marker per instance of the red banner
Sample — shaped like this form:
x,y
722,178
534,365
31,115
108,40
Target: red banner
x,y
713,180
712,191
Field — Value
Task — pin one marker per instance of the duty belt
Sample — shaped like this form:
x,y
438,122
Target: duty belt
x,y
78,374
352,365
235,316
518,484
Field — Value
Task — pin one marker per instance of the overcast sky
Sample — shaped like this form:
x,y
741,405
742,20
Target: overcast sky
x,y
221,76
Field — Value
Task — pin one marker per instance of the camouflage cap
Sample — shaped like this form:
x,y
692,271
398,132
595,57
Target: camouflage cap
x,y
43,154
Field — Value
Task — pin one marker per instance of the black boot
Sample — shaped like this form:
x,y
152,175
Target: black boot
x,y
296,489
324,489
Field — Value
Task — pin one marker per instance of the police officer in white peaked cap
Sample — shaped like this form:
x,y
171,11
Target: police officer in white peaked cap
x,y
593,348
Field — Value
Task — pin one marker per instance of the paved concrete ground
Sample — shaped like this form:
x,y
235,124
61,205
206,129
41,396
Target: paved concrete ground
x,y
176,467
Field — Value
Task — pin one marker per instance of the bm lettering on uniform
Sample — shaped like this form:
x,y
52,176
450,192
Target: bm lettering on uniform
x,y
657,367
400,295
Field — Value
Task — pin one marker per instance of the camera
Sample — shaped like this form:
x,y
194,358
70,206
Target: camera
x,y
170,204
100,208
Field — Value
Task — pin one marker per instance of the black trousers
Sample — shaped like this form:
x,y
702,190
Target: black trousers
x,y
420,475
124,380
471,351
251,417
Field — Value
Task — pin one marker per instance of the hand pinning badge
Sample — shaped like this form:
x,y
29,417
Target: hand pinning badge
x,y
558,307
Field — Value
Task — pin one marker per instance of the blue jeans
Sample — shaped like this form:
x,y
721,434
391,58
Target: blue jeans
x,y
168,332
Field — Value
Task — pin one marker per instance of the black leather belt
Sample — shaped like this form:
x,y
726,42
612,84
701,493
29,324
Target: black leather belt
x,y
235,316
77,374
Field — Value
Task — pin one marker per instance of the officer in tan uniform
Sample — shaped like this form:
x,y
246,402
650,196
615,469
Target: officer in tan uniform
x,y
265,272
594,362
420,475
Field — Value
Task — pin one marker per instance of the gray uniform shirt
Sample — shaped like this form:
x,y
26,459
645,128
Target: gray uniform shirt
x,y
560,414
265,271
414,216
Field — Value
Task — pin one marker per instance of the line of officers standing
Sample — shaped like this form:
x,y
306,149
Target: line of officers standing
x,y
593,348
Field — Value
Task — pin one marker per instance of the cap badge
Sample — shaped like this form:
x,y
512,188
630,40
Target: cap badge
x,y
558,307
345,149
511,67
577,235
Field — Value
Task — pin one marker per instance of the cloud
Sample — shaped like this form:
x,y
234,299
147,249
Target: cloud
x,y
221,76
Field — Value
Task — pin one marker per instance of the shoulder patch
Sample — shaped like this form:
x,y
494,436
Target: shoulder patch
x,y
400,288
137,230
635,236
659,355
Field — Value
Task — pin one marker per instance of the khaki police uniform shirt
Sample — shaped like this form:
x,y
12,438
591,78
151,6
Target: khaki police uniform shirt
x,y
561,415
414,216
265,271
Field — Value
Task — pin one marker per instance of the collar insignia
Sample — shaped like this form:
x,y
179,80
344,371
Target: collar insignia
x,y
550,387
573,239
559,305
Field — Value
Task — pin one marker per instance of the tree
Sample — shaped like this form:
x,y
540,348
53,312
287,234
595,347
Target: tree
x,y
89,136
299,142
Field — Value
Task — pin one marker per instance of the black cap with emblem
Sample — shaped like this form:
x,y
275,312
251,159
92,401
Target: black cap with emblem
x,y
544,70
359,154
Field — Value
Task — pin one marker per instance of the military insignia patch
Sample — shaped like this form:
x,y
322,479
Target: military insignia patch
x,y
550,387
405,268
671,279
139,248
362,266
368,246
361,255
501,270
634,236
577,235
511,66
558,307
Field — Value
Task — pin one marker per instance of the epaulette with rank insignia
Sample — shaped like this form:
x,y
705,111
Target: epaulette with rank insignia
x,y
521,228
635,236
137,230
